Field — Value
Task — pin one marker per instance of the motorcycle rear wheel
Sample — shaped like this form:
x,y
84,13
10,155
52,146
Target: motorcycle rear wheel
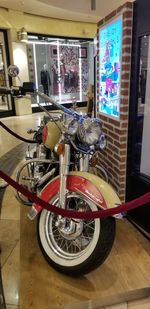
x,y
85,248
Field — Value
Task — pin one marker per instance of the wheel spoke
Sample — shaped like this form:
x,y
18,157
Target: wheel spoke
x,y
61,243
75,243
88,225
85,237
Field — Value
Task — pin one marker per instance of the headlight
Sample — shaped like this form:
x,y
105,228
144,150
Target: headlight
x,y
89,131
70,125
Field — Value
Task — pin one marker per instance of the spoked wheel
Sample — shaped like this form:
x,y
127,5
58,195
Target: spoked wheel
x,y
74,246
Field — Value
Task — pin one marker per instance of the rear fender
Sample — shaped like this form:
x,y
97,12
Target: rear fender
x,y
89,185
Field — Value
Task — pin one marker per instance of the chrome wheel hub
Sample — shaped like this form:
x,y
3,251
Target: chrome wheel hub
x,y
72,229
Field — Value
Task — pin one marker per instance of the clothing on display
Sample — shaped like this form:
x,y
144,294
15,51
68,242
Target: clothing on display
x,y
71,79
45,80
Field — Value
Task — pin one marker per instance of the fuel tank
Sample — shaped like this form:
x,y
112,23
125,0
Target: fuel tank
x,y
51,134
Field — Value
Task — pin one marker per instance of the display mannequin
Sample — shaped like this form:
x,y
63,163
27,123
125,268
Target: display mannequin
x,y
62,72
45,79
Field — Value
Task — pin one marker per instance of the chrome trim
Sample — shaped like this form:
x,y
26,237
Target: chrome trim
x,y
64,169
46,176
84,163
32,213
103,172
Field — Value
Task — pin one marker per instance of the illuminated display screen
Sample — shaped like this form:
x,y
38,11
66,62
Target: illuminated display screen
x,y
110,44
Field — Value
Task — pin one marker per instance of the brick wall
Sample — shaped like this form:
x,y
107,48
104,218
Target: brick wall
x,y
114,157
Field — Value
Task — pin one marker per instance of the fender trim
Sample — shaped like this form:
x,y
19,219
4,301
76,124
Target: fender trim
x,y
77,184
93,187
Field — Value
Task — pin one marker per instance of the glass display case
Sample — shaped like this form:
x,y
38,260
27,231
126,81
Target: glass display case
x,y
61,68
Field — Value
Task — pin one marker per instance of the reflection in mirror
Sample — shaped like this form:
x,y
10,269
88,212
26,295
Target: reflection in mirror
x,y
13,70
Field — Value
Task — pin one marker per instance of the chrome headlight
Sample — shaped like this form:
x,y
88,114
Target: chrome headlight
x,y
70,125
90,130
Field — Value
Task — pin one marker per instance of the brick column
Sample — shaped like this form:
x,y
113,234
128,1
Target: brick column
x,y
114,157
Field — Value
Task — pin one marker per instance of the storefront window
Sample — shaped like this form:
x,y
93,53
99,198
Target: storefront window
x,y
142,149
61,68
5,101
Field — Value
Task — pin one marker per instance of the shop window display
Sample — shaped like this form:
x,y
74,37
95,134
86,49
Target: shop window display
x,y
68,72
142,145
60,68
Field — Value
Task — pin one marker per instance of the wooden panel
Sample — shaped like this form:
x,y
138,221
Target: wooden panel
x,y
127,269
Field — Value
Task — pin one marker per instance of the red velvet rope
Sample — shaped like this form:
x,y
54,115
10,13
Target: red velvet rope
x,y
16,135
77,214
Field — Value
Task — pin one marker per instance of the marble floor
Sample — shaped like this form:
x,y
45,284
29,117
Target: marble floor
x,y
17,273
11,152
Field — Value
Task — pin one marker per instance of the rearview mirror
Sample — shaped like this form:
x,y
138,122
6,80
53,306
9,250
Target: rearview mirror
x,y
13,70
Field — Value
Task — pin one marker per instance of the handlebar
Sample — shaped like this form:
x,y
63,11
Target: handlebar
x,y
57,105
29,88
5,90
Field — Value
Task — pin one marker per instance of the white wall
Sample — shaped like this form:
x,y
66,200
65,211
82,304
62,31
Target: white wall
x,y
20,59
22,105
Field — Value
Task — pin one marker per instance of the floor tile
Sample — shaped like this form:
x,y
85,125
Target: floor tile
x,y
9,236
118,306
10,275
140,304
11,307
19,125
10,205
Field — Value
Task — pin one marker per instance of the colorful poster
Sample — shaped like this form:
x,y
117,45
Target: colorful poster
x,y
110,38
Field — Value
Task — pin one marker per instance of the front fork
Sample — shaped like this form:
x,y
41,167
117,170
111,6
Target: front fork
x,y
71,227
84,162
64,161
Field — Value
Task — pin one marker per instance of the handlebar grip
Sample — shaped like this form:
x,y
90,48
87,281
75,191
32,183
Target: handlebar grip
x,y
27,87
5,90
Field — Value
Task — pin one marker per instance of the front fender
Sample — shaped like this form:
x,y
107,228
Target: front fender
x,y
89,185
108,193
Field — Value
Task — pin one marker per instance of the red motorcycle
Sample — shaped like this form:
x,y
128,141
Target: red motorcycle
x,y
73,246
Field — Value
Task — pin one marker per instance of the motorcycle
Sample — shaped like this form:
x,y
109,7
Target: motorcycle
x,y
42,164
73,246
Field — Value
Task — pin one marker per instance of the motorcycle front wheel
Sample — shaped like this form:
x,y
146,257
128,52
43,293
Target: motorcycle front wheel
x,y
77,246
